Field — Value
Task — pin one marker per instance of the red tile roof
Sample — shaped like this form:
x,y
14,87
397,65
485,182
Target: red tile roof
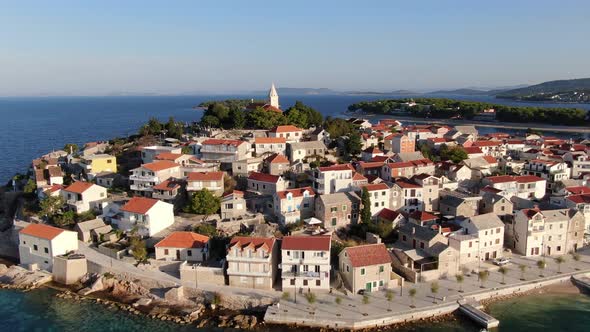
x,y
297,192
337,167
472,150
487,143
234,192
268,140
42,231
79,187
377,186
371,164
372,150
527,178
160,165
490,159
317,243
168,156
205,176
578,199
423,216
214,141
277,159
358,177
140,205
370,254
500,178
530,213
167,185
577,190
256,242
388,214
407,185
285,129
183,240
263,177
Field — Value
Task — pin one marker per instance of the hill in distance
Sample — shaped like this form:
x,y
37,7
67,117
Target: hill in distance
x,y
574,90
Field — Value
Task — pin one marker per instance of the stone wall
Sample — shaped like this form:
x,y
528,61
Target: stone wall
x,y
195,275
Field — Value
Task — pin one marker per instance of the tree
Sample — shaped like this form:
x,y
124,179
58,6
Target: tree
x,y
366,299
65,219
205,229
460,278
209,121
30,187
338,300
263,119
503,270
310,297
434,290
483,276
154,126
412,292
174,129
229,183
50,205
541,264
455,154
576,257
138,250
522,268
354,144
238,118
389,295
366,210
559,260
297,118
187,149
286,296
203,202
71,148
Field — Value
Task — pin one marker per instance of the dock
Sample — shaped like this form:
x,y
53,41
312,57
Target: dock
x,y
582,281
478,316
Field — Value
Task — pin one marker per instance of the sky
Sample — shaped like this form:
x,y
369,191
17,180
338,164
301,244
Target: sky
x,y
179,47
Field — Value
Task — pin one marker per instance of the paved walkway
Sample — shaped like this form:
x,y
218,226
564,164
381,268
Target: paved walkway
x,y
352,308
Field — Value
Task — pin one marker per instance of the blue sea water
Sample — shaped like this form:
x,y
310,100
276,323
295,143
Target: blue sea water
x,y
32,126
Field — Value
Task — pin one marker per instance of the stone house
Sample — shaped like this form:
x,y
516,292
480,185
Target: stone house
x,y
338,210
183,246
366,267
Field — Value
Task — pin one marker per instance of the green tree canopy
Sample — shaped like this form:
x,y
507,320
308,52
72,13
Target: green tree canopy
x,y
203,202
366,210
71,148
354,144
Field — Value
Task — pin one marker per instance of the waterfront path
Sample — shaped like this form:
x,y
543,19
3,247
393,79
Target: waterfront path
x,y
353,313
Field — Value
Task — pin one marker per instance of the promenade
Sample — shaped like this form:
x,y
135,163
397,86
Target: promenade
x,y
354,313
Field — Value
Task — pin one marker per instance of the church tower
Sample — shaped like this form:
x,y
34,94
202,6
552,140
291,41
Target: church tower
x,y
273,97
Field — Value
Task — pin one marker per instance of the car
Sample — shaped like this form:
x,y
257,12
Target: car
x,y
501,261
361,291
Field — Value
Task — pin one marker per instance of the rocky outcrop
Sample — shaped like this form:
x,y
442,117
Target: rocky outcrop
x,y
18,277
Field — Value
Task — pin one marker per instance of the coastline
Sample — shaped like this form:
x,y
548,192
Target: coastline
x,y
454,122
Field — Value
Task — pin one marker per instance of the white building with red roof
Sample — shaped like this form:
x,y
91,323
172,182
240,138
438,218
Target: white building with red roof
x,y
252,262
40,243
149,153
366,267
183,246
149,216
212,181
524,186
289,132
551,170
294,205
333,179
371,152
407,196
379,195
83,196
266,184
144,178
305,264
264,145
276,164
225,150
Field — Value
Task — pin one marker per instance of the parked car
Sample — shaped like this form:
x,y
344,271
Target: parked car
x,y
501,261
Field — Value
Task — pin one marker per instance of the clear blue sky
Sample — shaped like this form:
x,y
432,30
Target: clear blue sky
x,y
102,47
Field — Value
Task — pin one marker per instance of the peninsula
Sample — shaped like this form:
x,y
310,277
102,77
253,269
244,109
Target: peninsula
x,y
263,213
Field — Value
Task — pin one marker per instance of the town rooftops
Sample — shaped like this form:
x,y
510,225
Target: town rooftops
x,y
376,186
244,242
388,214
509,178
168,156
140,205
183,240
472,150
317,243
263,177
160,165
372,149
297,192
337,198
78,187
285,129
215,141
337,167
423,216
578,190
486,221
370,164
366,255
167,185
277,158
270,140
42,231
579,199
205,176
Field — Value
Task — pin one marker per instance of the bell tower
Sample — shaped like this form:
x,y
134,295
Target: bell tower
x,y
273,96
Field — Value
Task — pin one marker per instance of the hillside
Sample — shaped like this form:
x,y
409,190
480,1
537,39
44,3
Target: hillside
x,y
576,90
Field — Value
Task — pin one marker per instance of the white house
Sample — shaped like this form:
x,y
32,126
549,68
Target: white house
x,y
489,230
289,133
145,177
149,215
39,244
333,179
83,196
266,184
293,205
379,195
183,246
306,263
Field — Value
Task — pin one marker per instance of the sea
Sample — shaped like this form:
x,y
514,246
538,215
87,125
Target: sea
x,y
33,126
41,311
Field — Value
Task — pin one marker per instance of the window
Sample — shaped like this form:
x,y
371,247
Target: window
x,y
292,282
35,247
380,282
334,220
497,241
498,230
318,283
165,251
344,207
404,238
304,282
381,268
421,245
347,268
333,209
46,250
189,253
363,271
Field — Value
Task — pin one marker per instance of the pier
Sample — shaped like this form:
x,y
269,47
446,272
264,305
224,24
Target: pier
x,y
477,315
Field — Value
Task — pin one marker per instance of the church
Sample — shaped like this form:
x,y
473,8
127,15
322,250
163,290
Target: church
x,y
272,103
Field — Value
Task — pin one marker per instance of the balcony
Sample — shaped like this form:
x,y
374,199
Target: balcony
x,y
248,273
145,178
231,258
306,275
141,187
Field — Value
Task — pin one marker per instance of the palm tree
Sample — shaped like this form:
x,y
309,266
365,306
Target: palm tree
x,y
412,294
522,268
541,264
483,276
460,278
389,295
434,290
559,260
503,270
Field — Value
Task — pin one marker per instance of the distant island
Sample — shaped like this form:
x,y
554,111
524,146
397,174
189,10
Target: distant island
x,y
569,91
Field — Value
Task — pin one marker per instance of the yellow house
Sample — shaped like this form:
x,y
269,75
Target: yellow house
x,y
98,163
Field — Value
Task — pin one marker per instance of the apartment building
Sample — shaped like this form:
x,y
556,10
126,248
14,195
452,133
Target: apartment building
x,y
212,181
225,150
149,216
183,246
266,184
305,263
551,171
379,194
333,179
266,145
289,133
252,262
294,205
489,230
145,177
525,186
